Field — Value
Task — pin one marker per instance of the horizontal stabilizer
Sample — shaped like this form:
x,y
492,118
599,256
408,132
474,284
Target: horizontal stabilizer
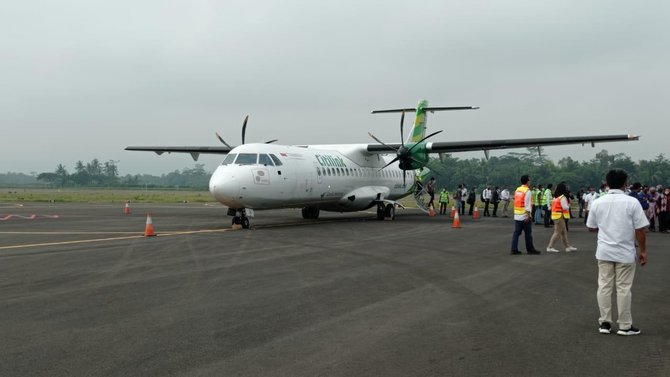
x,y
431,109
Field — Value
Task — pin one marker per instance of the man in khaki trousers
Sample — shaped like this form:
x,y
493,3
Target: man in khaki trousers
x,y
619,221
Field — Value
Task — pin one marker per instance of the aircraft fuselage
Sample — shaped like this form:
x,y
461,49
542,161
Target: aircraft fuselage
x,y
339,178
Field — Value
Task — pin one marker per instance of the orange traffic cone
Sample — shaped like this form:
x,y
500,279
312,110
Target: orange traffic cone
x,y
126,209
457,221
475,214
431,211
453,211
149,228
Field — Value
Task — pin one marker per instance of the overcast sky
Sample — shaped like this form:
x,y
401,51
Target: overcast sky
x,y
83,79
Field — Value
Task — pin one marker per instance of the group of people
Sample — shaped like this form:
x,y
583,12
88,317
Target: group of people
x,y
490,199
621,215
618,215
655,201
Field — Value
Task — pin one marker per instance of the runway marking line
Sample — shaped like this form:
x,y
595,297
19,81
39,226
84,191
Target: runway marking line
x,y
164,234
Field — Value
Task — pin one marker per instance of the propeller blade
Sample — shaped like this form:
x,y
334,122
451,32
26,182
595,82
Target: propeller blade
x,y
404,178
271,141
381,142
244,127
221,140
392,161
402,131
424,139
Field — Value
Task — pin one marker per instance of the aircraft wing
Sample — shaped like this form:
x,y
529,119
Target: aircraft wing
x,y
194,151
485,145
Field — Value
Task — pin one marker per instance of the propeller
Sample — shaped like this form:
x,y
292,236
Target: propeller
x,y
403,154
244,132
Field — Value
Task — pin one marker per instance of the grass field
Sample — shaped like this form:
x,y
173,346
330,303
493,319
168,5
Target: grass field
x,y
18,195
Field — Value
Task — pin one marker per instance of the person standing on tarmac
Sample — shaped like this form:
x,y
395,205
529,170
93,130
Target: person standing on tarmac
x,y
560,212
495,199
430,189
464,196
522,217
504,195
588,200
486,195
548,197
538,199
620,222
444,200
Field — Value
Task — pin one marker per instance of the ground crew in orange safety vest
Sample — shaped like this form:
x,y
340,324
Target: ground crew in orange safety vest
x,y
523,203
560,211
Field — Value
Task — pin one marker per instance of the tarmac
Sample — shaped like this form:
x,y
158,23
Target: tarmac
x,y
82,292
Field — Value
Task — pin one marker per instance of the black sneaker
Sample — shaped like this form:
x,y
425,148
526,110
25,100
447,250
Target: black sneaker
x,y
534,252
631,331
605,328
515,252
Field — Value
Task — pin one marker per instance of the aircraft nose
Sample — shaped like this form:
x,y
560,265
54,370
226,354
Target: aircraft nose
x,y
224,187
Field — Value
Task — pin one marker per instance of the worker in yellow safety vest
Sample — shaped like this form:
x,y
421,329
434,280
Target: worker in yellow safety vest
x,y
444,200
560,211
547,206
523,202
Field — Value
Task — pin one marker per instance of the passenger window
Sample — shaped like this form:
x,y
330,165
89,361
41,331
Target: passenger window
x,y
246,159
318,171
229,159
276,160
329,171
264,159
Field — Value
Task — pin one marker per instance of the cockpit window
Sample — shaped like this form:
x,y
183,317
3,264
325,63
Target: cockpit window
x,y
246,159
264,159
229,159
276,160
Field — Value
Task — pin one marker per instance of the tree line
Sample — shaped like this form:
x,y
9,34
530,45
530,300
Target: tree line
x,y
106,174
496,171
507,169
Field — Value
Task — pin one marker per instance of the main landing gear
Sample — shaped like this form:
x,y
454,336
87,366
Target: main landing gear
x,y
239,217
385,211
310,213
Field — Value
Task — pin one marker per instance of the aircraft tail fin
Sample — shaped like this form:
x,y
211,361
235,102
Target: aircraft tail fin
x,y
418,131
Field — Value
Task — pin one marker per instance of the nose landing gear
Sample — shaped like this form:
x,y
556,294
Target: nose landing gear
x,y
239,217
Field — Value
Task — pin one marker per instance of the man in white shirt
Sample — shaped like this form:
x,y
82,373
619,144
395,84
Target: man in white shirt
x,y
504,195
619,221
588,198
464,197
486,195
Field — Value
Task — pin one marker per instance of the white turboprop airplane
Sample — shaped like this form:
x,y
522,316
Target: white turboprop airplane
x,y
339,178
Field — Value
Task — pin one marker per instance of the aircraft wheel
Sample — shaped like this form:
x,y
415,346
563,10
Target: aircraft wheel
x,y
305,213
390,211
237,220
380,211
315,213
245,223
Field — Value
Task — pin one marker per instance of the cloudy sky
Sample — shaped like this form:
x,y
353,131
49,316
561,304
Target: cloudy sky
x,y
82,79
